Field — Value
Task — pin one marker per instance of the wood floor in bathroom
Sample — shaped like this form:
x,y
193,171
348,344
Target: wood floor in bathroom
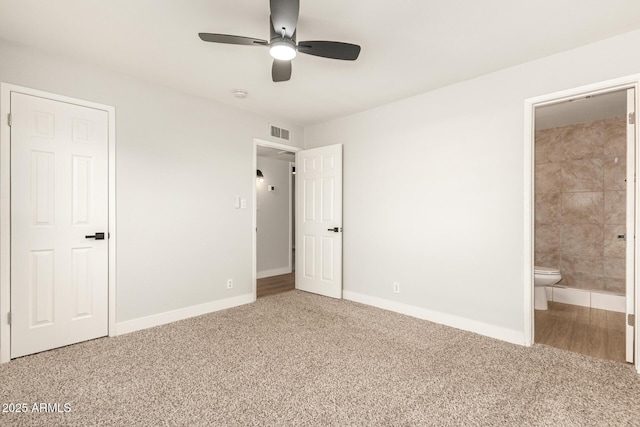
x,y
276,284
589,331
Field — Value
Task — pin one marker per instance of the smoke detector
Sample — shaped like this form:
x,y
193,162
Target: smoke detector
x,y
240,93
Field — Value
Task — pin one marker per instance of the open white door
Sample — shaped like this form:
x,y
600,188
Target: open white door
x,y
59,207
630,256
319,220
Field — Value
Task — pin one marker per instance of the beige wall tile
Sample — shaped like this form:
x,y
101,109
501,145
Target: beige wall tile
x,y
583,208
584,281
581,264
614,268
547,238
549,260
548,208
583,141
614,247
615,205
589,281
582,239
548,178
614,285
584,220
615,173
582,175
548,145
616,137
567,280
582,272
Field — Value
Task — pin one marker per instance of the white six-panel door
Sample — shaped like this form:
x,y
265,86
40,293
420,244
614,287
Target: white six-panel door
x,y
59,196
319,220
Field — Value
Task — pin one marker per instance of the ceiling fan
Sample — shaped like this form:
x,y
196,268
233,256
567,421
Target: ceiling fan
x,y
282,43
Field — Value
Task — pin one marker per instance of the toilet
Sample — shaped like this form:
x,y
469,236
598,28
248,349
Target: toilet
x,y
543,276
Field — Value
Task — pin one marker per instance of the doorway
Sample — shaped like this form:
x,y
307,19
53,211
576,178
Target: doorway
x,y
582,148
318,207
57,283
275,219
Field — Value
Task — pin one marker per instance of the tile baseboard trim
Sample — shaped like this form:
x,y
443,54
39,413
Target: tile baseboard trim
x,y
273,272
141,323
585,298
481,328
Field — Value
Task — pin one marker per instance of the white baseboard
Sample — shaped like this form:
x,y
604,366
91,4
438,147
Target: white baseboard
x,y
492,331
181,314
273,272
586,298
609,302
572,296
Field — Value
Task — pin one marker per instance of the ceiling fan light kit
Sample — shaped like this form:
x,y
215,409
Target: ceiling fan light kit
x,y
283,49
282,44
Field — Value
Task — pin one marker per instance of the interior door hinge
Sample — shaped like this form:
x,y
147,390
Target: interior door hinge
x,y
9,317
632,118
631,319
9,119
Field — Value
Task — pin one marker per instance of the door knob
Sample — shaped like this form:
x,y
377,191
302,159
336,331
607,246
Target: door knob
x,y
97,236
335,229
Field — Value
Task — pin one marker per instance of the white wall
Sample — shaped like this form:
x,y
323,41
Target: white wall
x,y
181,161
434,187
273,218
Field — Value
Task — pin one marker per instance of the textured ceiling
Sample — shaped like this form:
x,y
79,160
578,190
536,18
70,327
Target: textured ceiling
x,y
408,46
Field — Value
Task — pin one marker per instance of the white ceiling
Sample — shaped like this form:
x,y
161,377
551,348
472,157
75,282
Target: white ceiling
x,y
582,110
273,153
408,46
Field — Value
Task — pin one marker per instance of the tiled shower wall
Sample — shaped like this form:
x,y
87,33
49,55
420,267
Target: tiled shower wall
x,y
580,203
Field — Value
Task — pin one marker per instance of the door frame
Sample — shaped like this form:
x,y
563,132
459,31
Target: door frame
x,y
254,239
5,209
629,82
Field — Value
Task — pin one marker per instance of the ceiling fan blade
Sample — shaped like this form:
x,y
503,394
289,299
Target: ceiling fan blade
x,y
284,14
229,39
281,70
334,50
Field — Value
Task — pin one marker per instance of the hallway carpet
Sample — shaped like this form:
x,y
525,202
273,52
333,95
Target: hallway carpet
x,y
298,359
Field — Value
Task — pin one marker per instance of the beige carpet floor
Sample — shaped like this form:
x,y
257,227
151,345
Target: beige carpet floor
x,y
302,360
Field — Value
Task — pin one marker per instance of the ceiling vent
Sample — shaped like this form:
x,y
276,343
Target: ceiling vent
x,y
279,133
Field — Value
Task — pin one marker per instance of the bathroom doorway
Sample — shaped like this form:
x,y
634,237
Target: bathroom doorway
x,y
583,162
274,218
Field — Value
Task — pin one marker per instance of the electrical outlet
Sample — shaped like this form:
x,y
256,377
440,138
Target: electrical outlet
x,y
396,287
229,283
